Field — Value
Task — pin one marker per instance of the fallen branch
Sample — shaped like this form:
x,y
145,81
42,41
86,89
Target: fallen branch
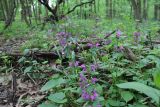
x,y
45,55
128,53
156,42
108,35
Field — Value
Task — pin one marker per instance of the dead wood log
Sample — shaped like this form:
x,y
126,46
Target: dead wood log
x,y
128,53
45,55
156,42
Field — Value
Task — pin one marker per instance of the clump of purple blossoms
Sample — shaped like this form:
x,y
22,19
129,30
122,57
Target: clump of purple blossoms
x,y
83,66
89,96
93,67
85,83
118,34
62,38
63,41
74,64
94,80
62,34
136,36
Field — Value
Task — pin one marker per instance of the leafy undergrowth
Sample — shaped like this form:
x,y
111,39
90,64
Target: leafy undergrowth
x,y
91,68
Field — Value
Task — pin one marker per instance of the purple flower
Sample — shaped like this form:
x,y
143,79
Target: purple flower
x,y
71,64
93,96
83,66
95,93
137,34
76,63
82,77
97,44
94,80
81,84
93,67
118,34
121,48
63,42
62,35
90,45
85,95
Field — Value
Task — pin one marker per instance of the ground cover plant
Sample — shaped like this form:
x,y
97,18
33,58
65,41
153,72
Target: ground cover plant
x,y
89,53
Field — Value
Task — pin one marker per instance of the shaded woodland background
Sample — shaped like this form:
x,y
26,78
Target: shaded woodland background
x,y
107,50
41,11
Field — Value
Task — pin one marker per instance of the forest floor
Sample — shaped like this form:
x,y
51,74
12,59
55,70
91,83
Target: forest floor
x,y
13,45
16,86
21,88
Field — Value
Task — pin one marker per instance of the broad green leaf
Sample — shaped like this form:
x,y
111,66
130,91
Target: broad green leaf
x,y
157,78
73,56
137,105
28,69
149,91
26,51
99,88
115,103
21,60
47,105
53,83
80,100
73,90
58,97
127,96
100,99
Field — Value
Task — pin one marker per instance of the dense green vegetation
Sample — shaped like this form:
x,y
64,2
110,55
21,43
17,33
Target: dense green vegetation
x,y
73,53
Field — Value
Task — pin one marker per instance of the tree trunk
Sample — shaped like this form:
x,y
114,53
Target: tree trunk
x,y
2,12
145,9
137,9
156,11
110,9
107,8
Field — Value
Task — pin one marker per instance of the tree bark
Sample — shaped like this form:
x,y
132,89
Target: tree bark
x,y
137,9
145,9
110,9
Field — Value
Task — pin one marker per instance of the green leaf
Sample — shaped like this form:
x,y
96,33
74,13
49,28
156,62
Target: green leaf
x,y
28,69
149,91
140,105
80,100
58,97
99,88
53,83
26,51
21,60
157,77
73,56
115,103
47,105
127,96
